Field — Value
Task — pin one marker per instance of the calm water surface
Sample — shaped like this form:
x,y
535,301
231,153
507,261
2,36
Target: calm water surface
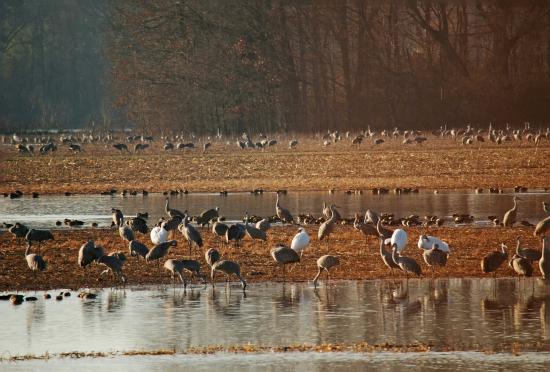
x,y
45,210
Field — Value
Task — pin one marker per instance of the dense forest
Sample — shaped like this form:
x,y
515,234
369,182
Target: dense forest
x,y
274,65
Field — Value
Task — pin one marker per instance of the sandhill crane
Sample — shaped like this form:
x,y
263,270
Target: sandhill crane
x,y
225,266
399,240
137,249
546,207
387,256
435,257
283,213
159,234
212,256
371,216
521,265
428,242
89,253
542,227
365,228
284,255
327,212
35,261
527,253
137,224
383,231
544,263
117,216
253,232
510,216
126,233
113,264
236,233
191,234
327,227
172,212
38,236
325,263
160,250
219,228
407,264
19,230
206,216
263,224
492,261
300,241
177,267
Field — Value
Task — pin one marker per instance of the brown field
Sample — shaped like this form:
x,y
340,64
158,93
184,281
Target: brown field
x,y
437,164
358,261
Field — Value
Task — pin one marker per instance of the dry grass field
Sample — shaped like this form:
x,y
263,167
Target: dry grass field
x,y
436,164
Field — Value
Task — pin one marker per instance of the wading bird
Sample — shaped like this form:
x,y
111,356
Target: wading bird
x,y
177,267
219,228
159,234
300,241
126,233
114,265
117,217
542,227
492,261
172,212
521,266
399,240
367,229
225,266
510,216
387,256
528,253
435,257
191,234
89,253
137,249
283,213
284,255
327,227
38,236
160,250
544,263
35,261
407,264
325,263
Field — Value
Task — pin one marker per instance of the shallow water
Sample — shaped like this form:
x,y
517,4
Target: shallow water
x,y
458,313
307,361
45,210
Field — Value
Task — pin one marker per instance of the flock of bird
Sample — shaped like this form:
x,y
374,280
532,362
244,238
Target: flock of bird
x,y
468,135
435,251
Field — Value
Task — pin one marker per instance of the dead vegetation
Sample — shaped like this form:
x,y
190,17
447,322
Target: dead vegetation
x,y
436,164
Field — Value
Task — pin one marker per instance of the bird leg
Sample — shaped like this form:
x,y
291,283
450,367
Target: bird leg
x,y
284,274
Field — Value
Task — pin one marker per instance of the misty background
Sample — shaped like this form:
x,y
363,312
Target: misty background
x,y
302,66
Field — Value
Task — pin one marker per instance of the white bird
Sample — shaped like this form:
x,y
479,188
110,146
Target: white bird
x,y
300,241
427,242
159,234
399,240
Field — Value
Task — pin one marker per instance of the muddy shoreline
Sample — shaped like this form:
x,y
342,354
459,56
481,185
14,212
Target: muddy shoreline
x,y
359,260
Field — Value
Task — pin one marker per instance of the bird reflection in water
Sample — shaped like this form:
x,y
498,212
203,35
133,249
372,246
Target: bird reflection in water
x,y
226,303
115,300
287,298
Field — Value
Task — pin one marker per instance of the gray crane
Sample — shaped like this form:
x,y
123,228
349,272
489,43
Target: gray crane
x,y
19,230
225,266
284,255
38,236
263,224
236,233
126,233
160,250
114,265
493,260
544,263
521,266
191,234
137,224
387,256
367,229
327,212
35,261
529,253
372,217
137,249
172,212
510,216
212,256
177,267
327,227
89,253
325,263
435,257
219,228
253,232
205,217
407,264
546,207
385,232
283,213
543,226
118,217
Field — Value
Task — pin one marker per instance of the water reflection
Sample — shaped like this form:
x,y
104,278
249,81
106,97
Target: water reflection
x,y
44,211
454,312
